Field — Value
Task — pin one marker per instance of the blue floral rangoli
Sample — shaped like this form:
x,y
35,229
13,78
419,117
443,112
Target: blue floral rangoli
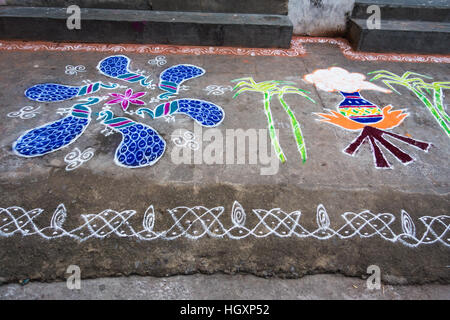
x,y
141,145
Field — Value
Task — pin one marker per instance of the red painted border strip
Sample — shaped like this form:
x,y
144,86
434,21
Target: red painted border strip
x,y
296,50
348,52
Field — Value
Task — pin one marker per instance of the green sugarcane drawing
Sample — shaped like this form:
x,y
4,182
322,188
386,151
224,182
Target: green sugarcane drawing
x,y
269,89
430,94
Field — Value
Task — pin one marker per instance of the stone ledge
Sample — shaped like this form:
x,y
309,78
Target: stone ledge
x,y
137,26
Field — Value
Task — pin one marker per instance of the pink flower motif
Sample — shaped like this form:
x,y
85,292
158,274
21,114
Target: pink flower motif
x,y
127,98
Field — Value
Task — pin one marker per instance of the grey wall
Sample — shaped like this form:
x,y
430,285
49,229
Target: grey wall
x,y
319,17
309,17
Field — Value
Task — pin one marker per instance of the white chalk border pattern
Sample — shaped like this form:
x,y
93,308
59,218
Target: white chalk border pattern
x,y
198,222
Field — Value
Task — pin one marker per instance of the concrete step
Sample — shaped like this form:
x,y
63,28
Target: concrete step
x,y
142,26
224,6
430,10
220,6
104,4
400,36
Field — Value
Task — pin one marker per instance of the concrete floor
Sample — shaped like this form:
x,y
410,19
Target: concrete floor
x,y
220,286
344,185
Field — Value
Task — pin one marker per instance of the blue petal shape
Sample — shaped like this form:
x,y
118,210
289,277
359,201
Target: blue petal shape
x,y
204,113
114,66
51,92
180,73
171,78
141,146
50,137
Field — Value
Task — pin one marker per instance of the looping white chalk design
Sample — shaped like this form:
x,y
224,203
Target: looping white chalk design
x,y
323,221
59,217
73,70
408,225
149,219
169,118
151,86
187,140
24,113
199,221
217,90
238,215
107,131
76,158
154,100
158,61
63,111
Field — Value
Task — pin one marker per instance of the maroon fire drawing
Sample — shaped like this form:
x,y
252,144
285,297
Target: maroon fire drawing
x,y
358,114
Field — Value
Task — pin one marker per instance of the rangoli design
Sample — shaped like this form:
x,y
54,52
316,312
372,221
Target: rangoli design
x,y
126,99
430,94
217,90
269,89
24,113
77,158
296,50
358,114
73,70
204,113
171,78
53,92
55,135
186,140
141,145
198,222
158,61
118,67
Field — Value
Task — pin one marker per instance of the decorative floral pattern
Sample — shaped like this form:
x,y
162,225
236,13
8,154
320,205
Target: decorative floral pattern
x,y
217,90
24,113
141,145
186,140
118,67
158,61
171,79
204,113
199,222
126,99
358,114
296,50
76,158
54,92
73,70
55,135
